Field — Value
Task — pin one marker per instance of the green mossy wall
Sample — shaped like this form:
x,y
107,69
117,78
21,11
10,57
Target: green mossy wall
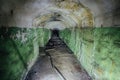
x,y
19,48
97,49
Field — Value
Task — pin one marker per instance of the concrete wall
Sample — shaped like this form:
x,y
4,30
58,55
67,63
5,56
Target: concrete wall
x,y
97,49
105,12
19,48
23,13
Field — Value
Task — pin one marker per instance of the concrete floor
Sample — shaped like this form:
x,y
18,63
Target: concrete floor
x,y
57,63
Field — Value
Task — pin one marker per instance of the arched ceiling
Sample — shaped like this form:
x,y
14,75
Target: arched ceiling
x,y
64,14
54,13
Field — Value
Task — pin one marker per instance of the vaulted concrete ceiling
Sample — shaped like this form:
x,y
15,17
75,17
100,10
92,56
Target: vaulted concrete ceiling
x,y
57,13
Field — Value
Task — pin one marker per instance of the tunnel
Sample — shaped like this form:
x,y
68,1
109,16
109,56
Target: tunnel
x,y
59,39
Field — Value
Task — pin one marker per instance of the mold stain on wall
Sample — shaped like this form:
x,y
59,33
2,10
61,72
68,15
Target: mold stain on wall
x,y
19,48
97,49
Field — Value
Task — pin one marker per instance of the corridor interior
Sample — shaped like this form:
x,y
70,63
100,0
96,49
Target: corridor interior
x,y
57,62
59,39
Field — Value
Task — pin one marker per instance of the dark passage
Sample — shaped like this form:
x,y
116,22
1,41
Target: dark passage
x,y
56,62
